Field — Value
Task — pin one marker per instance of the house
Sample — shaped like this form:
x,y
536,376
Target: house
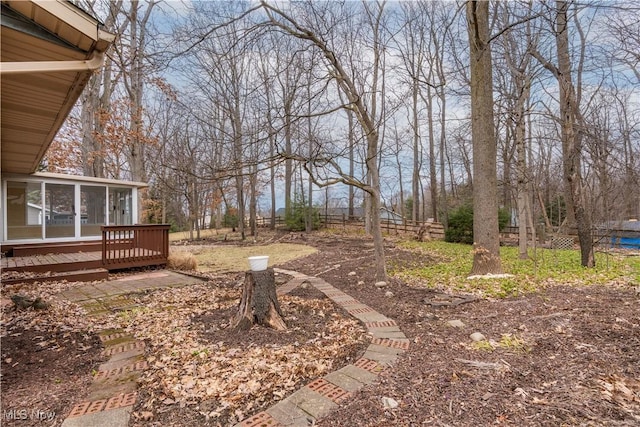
x,y
49,50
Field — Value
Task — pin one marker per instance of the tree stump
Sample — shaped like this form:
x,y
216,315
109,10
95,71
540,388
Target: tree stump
x,y
424,233
259,302
484,262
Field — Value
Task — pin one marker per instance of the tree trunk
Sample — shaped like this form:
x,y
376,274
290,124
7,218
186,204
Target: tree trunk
x,y
376,230
486,236
239,162
272,176
259,303
571,142
310,137
417,153
444,204
288,163
253,200
521,169
433,181
401,207
352,144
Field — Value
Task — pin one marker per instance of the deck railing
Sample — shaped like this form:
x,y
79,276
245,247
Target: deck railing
x,y
126,246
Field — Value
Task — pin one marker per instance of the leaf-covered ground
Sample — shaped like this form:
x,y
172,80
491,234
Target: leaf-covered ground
x,y
561,344
47,357
202,369
558,350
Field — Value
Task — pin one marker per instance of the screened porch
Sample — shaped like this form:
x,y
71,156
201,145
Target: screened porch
x,y
44,207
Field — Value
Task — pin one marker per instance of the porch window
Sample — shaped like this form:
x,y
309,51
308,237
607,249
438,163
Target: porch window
x,y
121,208
62,210
93,209
25,215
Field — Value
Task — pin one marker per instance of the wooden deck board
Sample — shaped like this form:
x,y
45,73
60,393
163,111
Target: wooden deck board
x,y
51,259
116,259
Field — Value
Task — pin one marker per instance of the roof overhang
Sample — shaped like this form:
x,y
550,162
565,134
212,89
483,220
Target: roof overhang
x,y
64,178
49,51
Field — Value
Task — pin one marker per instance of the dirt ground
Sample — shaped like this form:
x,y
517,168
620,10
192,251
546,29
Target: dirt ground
x,y
565,356
45,371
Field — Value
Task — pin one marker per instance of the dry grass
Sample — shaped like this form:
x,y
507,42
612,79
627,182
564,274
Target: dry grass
x,y
234,258
182,260
204,234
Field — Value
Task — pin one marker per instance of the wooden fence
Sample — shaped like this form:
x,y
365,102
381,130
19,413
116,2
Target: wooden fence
x,y
435,229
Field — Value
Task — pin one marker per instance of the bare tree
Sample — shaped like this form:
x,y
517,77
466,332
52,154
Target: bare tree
x,y
96,100
133,58
366,113
486,237
570,119
223,70
413,50
623,24
518,64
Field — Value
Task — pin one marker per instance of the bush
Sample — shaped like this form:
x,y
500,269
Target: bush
x,y
504,217
296,219
460,229
230,218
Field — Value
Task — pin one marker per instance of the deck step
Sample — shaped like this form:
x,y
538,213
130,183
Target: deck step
x,y
53,262
70,276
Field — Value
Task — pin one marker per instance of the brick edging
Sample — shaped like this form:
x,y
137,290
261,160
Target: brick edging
x,y
323,395
126,355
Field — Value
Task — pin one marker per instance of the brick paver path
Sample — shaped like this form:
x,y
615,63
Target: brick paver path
x,y
113,392
323,395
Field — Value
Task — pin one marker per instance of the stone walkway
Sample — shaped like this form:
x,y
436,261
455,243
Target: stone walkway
x,y
112,394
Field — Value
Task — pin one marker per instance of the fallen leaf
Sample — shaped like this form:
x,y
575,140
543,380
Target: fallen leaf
x,y
520,392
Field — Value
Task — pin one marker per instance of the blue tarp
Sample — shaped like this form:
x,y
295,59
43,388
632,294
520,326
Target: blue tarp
x,y
625,242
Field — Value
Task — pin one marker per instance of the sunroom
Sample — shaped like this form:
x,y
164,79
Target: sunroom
x,y
54,207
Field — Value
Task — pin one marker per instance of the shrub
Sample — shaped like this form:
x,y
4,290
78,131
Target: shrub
x,y
296,219
460,229
503,218
230,218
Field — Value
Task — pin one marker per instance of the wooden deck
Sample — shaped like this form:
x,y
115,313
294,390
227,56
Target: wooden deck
x,y
52,262
122,247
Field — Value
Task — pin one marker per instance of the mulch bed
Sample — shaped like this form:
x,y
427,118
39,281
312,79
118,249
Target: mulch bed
x,y
45,372
304,325
564,356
